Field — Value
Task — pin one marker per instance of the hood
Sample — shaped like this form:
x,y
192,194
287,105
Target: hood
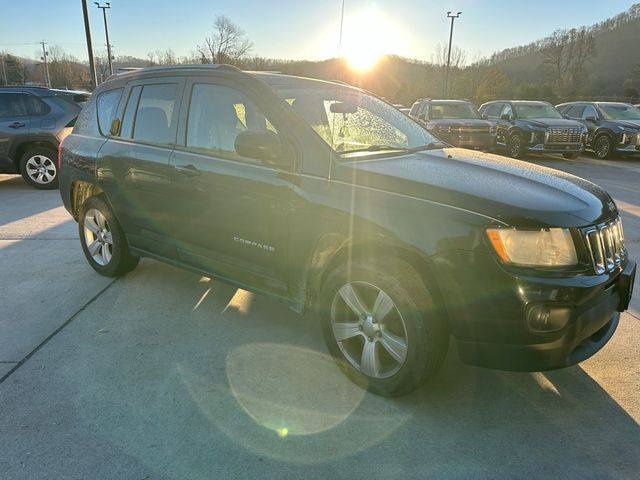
x,y
626,123
459,122
551,122
510,191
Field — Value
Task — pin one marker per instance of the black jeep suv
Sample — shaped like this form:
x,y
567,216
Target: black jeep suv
x,y
536,127
33,121
614,128
456,122
335,202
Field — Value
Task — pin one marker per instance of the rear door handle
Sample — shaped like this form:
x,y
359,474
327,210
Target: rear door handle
x,y
189,170
16,125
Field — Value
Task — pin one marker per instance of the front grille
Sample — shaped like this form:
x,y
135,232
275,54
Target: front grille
x,y
606,246
563,135
465,130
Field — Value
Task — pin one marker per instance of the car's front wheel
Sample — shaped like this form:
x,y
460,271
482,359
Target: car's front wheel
x,y
602,146
39,169
515,149
103,241
381,324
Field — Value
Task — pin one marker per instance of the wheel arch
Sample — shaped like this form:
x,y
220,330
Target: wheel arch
x,y
20,149
329,255
80,191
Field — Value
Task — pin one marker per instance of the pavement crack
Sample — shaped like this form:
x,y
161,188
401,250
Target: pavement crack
x,y
56,331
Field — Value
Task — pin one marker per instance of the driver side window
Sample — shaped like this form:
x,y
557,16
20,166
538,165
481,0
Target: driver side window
x,y
589,112
506,110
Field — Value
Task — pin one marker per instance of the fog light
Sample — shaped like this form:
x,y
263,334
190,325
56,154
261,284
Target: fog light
x,y
544,318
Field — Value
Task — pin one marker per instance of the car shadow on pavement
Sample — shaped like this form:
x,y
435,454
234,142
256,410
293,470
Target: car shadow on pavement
x,y
20,201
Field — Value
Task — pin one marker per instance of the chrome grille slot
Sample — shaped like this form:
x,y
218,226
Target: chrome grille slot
x,y
564,135
606,246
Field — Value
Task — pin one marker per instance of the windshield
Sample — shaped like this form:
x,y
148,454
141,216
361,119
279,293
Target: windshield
x,y
453,110
349,120
620,112
536,110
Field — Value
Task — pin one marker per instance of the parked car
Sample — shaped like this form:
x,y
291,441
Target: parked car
x,y
33,121
536,127
456,122
614,128
332,201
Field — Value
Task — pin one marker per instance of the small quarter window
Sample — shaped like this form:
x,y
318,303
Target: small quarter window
x,y
107,106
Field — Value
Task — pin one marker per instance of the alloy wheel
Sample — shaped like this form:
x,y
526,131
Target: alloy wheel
x,y
515,145
98,237
602,147
41,169
369,329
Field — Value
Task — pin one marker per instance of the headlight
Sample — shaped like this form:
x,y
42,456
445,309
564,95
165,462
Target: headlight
x,y
538,248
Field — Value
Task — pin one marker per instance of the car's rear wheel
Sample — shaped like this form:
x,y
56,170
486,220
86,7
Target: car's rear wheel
x,y
39,169
103,241
514,146
602,146
381,324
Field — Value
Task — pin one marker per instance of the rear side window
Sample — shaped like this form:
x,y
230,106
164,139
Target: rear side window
x,y
12,105
574,111
156,114
35,106
107,106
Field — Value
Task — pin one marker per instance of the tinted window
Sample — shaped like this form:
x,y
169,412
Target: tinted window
x,y
589,112
507,110
35,106
574,111
156,114
217,114
493,110
620,112
536,110
130,112
12,105
453,110
87,121
107,106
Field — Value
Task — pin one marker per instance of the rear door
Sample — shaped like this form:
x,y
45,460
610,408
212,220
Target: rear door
x,y
14,126
133,166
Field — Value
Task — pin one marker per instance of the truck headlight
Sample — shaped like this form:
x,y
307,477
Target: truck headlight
x,y
551,247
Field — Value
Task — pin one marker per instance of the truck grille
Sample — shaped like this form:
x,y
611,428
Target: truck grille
x,y
564,135
606,246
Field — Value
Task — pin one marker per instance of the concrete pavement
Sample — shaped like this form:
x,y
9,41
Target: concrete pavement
x,y
164,374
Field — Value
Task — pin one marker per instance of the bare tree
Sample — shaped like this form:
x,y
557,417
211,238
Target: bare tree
x,y
227,44
568,52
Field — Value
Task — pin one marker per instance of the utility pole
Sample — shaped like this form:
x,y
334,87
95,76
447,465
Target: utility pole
x,y
4,70
446,78
341,24
106,32
47,79
87,31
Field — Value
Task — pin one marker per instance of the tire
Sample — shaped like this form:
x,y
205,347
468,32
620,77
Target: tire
x,y
404,348
39,168
103,242
571,156
602,146
514,146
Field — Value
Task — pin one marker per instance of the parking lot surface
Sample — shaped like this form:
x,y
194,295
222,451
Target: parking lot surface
x,y
164,374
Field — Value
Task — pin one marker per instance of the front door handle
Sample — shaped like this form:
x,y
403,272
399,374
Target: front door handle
x,y
16,125
189,170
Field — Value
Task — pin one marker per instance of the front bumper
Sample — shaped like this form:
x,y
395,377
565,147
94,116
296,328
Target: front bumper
x,y
490,323
556,147
472,141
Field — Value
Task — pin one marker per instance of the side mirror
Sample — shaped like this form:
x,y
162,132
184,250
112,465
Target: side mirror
x,y
422,117
263,145
115,127
564,115
506,116
591,119
485,116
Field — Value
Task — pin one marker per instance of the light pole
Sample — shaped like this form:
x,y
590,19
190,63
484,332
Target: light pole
x,y
87,32
106,32
4,70
446,78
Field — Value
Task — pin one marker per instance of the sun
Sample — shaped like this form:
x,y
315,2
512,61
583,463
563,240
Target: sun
x,y
367,35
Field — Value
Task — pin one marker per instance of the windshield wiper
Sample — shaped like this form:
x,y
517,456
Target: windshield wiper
x,y
429,146
381,148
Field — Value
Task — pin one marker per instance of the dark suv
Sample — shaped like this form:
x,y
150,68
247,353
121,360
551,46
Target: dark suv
x,y
536,127
33,121
614,128
456,122
333,201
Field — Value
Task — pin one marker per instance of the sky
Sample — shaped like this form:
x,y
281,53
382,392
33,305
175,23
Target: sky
x,y
296,29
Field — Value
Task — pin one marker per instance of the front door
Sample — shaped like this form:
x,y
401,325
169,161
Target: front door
x,y
231,213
